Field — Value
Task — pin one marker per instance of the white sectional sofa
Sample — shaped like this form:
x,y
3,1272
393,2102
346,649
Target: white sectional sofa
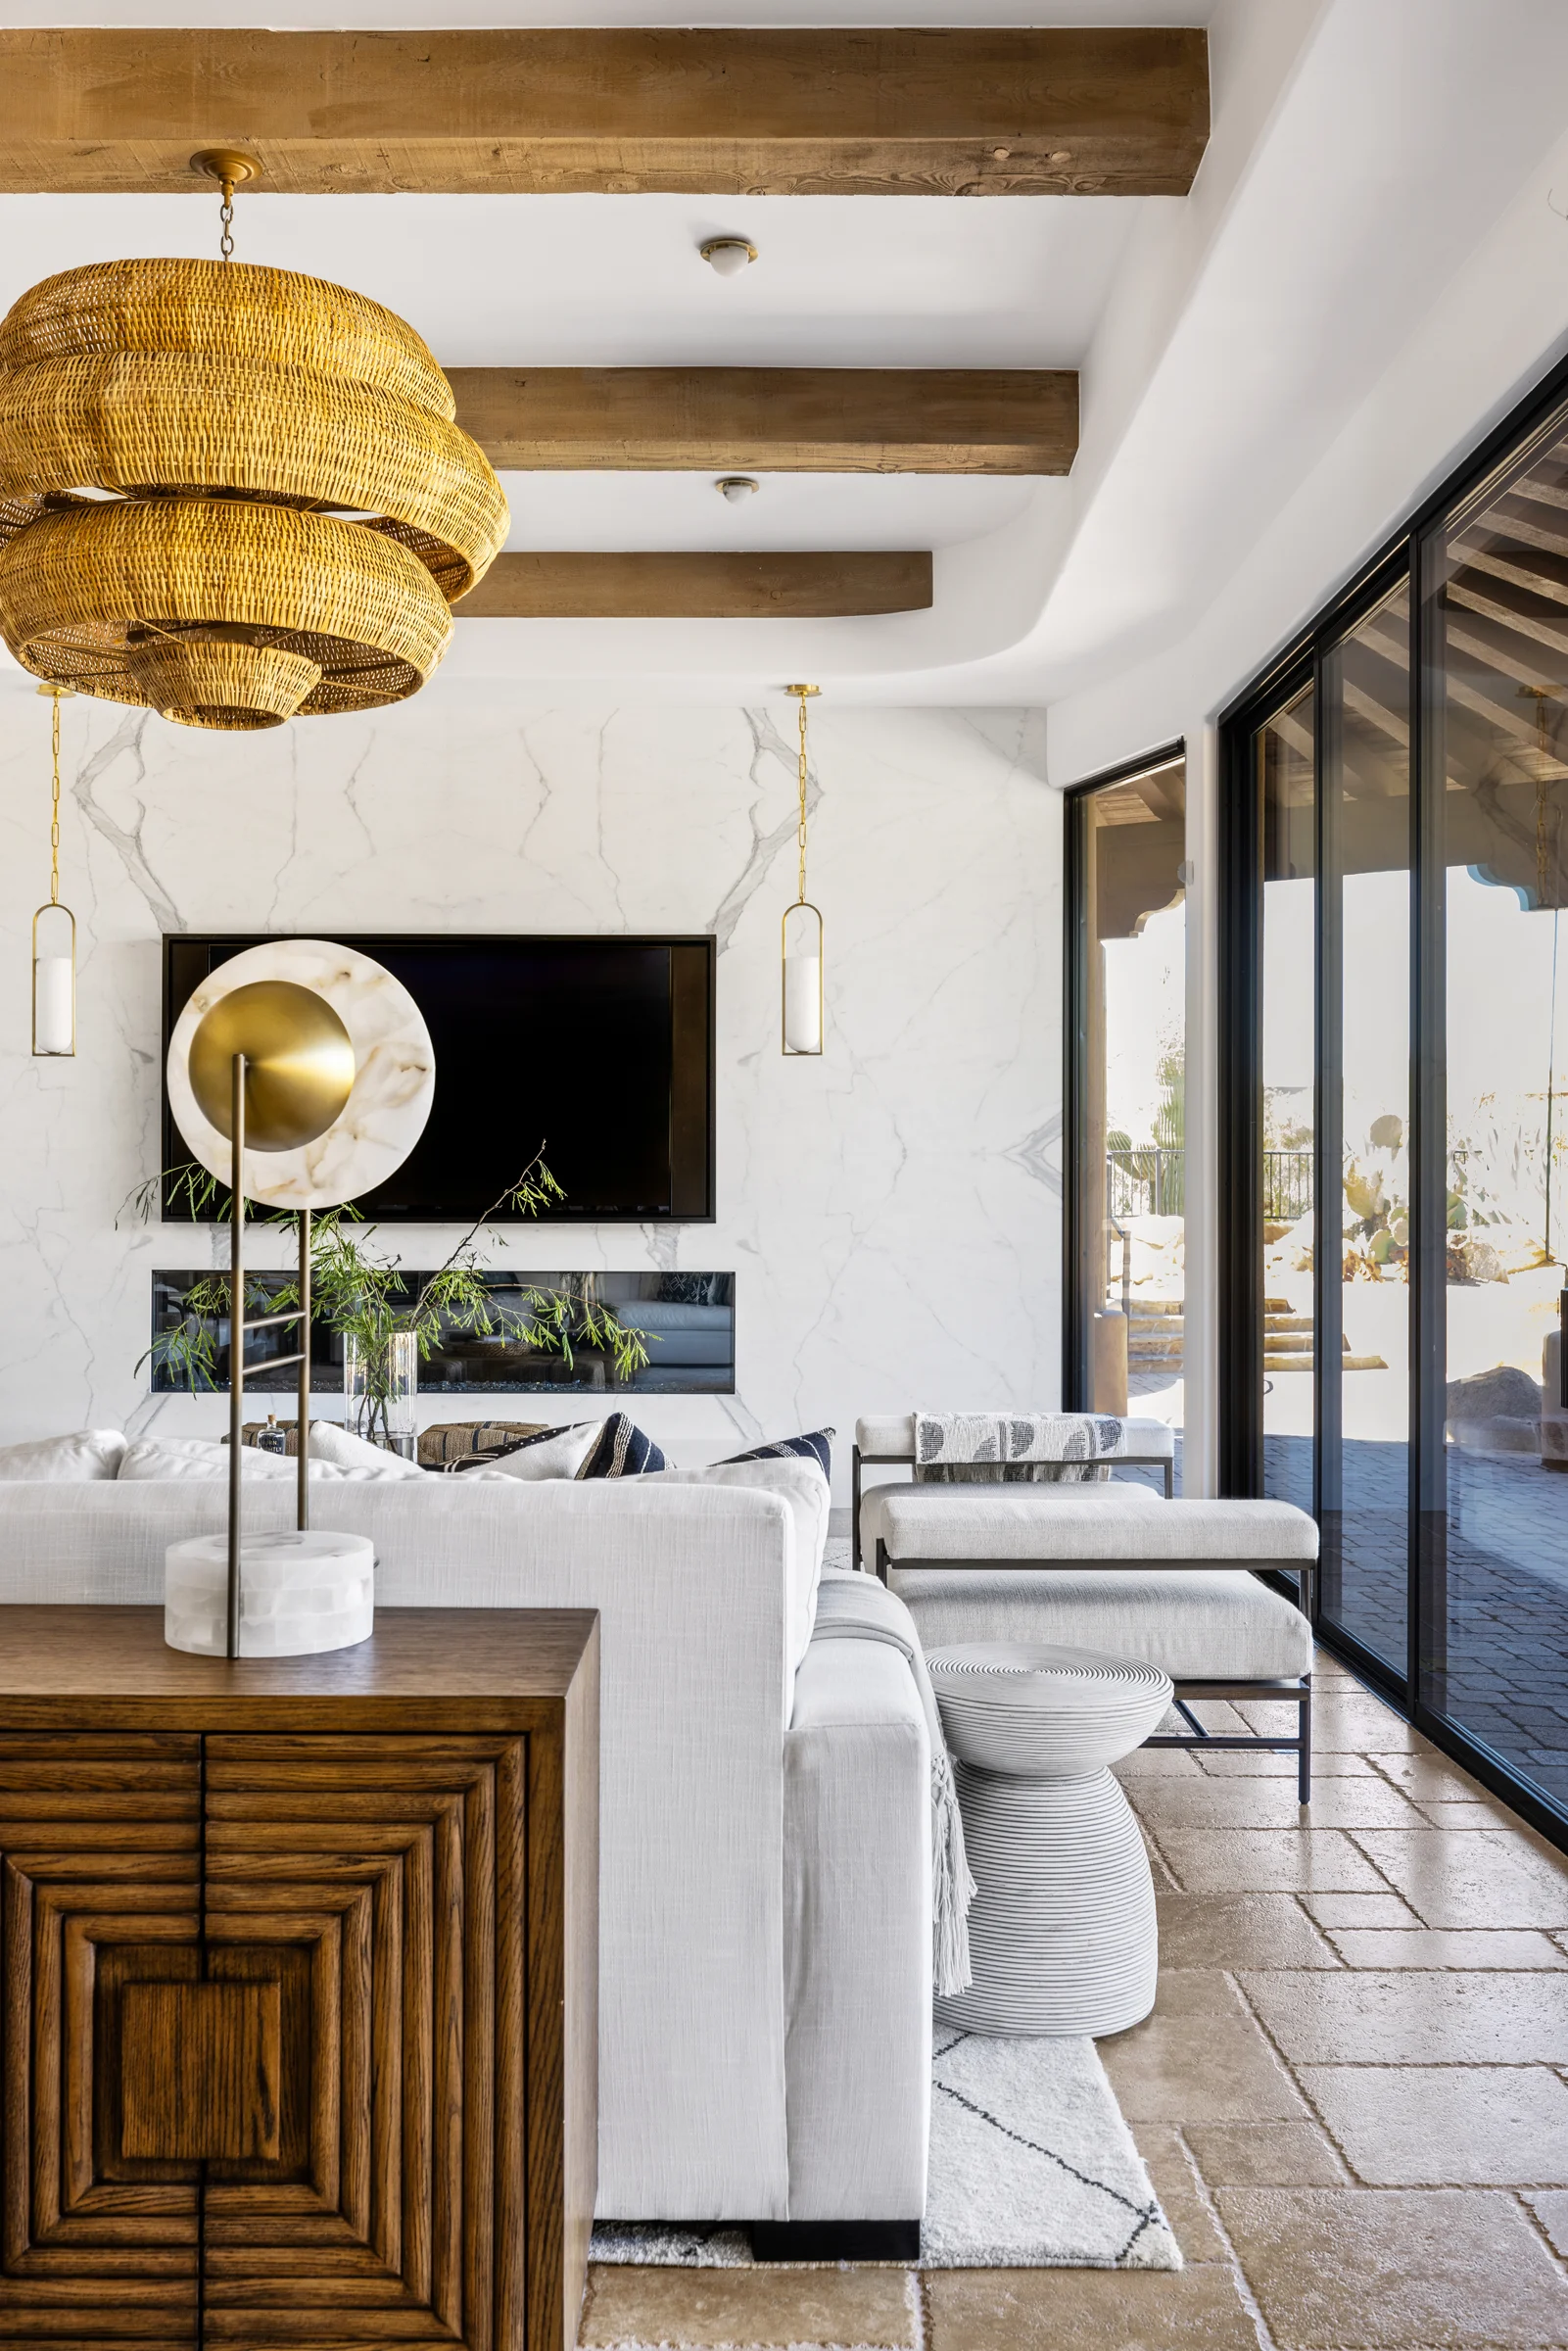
x,y
764,1840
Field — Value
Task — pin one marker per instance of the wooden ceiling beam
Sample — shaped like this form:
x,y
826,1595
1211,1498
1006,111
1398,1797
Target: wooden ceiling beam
x,y
771,419
698,587
821,112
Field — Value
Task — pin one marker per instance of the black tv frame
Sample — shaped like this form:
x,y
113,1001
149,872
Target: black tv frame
x,y
693,998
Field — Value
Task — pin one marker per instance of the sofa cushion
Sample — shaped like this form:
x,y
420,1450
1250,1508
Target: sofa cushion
x,y
1107,1495
63,1461
161,1458
950,1522
893,1434
622,1451
331,1442
1196,1623
558,1453
817,1446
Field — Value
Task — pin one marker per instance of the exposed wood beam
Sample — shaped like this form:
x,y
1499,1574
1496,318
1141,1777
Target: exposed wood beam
x,y
1119,112
771,419
698,587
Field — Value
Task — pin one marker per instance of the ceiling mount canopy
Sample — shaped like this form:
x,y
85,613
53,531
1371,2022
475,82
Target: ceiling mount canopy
x,y
234,494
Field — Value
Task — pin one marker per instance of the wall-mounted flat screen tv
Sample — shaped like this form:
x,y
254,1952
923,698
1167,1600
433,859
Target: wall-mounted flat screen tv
x,y
600,1049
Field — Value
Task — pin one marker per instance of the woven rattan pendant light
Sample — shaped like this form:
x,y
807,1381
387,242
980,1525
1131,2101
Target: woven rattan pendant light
x,y
235,495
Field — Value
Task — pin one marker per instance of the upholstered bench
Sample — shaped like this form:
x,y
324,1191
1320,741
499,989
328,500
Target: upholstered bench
x,y
887,1441
1110,1568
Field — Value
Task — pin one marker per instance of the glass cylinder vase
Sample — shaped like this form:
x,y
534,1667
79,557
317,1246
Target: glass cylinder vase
x,y
380,1382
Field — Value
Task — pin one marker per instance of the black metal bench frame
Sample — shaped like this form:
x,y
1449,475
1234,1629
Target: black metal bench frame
x,y
1296,1693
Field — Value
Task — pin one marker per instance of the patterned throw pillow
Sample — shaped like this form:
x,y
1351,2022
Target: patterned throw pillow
x,y
818,1447
687,1289
623,1451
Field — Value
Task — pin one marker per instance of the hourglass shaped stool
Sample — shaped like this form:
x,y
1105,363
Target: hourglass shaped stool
x,y
1061,1930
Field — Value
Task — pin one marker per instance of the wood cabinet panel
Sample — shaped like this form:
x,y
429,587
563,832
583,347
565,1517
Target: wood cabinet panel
x,y
100,1887
298,2027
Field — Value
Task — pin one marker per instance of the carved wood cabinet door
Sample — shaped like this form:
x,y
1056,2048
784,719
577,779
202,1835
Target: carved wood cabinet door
x,y
263,2049
99,1890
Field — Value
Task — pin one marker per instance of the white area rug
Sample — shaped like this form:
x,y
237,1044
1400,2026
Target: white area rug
x,y
1031,2168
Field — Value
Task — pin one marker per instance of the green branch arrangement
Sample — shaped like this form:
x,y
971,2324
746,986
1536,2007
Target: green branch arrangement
x,y
363,1298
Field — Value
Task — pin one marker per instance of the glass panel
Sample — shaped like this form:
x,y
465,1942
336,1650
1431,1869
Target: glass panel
x,y
1131,1163
1285,752
1502,626
1365,1315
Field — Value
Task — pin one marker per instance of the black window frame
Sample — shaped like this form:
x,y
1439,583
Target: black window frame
x,y
1405,554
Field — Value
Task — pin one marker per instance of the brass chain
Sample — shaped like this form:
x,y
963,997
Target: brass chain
x,y
225,243
802,694
54,821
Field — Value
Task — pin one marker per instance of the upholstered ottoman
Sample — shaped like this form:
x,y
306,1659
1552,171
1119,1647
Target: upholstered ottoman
x,y
1172,1583
1062,1929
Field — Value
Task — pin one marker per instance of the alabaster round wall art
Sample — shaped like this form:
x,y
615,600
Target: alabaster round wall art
x,y
388,1104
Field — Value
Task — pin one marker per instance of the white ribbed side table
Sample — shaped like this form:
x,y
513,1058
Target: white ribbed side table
x,y
1061,1931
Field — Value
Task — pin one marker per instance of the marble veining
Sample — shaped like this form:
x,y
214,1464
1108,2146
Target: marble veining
x,y
891,1209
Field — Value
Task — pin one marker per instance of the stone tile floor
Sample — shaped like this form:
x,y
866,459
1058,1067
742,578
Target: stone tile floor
x,y
1352,2093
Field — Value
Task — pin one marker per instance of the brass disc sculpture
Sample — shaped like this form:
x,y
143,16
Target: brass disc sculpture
x,y
291,509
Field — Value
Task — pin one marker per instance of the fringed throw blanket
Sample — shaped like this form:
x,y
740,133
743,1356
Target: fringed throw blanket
x,y
856,1608
967,1448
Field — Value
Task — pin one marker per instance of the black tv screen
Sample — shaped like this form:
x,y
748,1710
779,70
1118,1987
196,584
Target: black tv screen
x,y
600,1049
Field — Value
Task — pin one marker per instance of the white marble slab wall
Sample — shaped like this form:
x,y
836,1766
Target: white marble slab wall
x,y
892,1211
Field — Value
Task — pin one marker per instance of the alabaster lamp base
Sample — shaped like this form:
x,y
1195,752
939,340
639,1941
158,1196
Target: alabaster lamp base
x,y
299,1594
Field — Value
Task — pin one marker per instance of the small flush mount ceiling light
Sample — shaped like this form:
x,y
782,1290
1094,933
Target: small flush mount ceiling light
x,y
735,488
54,933
726,257
801,935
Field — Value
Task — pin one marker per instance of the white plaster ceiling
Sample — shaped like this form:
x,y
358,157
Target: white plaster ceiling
x,y
1360,149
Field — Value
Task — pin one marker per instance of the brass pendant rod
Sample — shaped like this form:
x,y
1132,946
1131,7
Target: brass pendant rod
x,y
303,1409
236,1342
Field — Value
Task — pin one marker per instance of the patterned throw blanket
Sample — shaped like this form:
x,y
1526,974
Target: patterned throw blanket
x,y
856,1608
961,1448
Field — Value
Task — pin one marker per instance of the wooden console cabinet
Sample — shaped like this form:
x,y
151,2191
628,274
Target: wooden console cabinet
x,y
298,2017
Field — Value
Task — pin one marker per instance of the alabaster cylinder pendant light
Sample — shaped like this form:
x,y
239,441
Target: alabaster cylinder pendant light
x,y
231,495
54,935
802,936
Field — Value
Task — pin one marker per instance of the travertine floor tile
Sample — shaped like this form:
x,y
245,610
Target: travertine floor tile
x,y
1266,2155
1551,2211
1086,2309
1240,1930
1333,1910
1446,1946
1157,1763
1198,2068
1345,1717
1400,2017
1262,1764
1181,2199
1272,1861
1413,2126
1469,1813
1342,1802
1445,2269
1426,1774
1469,1878
772,2307
1194,1991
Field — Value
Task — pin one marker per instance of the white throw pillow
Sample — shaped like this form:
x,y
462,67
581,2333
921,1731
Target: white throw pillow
x,y
559,1456
202,1457
63,1461
357,1456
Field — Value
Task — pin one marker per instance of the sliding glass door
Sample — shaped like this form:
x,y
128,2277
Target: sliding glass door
x,y
1125,1086
1395,1028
